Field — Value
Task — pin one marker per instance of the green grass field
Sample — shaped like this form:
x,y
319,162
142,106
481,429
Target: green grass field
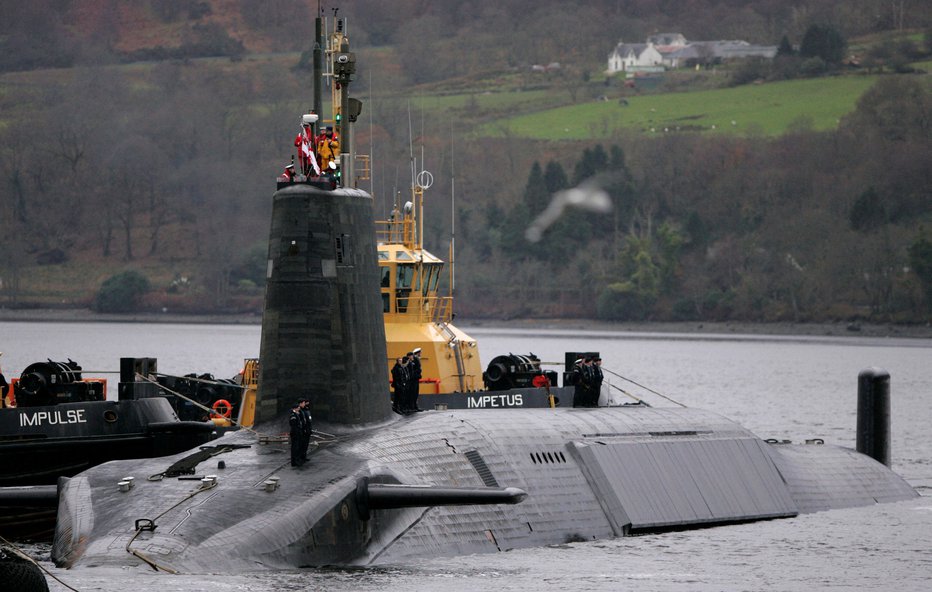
x,y
767,109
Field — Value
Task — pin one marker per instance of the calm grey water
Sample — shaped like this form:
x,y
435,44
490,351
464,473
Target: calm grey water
x,y
786,387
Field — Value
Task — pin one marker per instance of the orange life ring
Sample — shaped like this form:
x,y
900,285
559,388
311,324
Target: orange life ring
x,y
226,412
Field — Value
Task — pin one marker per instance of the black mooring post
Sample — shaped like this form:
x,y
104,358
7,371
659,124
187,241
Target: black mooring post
x,y
873,438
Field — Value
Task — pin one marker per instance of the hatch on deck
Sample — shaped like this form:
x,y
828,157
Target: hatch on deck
x,y
656,485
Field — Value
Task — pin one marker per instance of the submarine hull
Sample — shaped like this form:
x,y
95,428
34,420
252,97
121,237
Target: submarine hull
x,y
588,474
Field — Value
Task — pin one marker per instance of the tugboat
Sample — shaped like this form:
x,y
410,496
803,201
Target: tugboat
x,y
56,423
418,319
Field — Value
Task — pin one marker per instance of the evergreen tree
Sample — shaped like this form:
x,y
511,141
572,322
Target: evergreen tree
x,y
785,48
555,177
868,212
536,194
593,162
823,41
599,159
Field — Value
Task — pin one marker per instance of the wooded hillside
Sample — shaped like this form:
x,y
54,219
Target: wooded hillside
x,y
145,138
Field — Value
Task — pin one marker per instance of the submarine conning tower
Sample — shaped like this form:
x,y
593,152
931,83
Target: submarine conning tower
x,y
322,331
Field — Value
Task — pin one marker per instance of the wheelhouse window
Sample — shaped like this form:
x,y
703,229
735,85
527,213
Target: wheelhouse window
x,y
403,286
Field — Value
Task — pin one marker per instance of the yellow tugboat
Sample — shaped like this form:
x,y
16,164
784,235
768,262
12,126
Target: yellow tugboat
x,y
416,316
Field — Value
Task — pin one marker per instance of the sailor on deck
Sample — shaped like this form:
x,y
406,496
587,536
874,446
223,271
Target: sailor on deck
x,y
300,432
399,384
590,394
288,174
597,378
296,434
306,428
579,388
415,386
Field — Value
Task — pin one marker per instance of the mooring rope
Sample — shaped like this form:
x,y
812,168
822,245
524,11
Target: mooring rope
x,y
140,528
642,386
195,403
618,388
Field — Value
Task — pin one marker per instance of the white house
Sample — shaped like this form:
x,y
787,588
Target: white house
x,y
672,50
631,57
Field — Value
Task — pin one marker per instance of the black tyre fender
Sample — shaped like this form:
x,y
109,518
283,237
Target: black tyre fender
x,y
21,576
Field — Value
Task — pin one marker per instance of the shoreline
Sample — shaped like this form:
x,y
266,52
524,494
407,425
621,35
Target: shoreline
x,y
825,329
838,329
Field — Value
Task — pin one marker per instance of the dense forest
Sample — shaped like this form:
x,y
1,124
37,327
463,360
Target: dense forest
x,y
145,139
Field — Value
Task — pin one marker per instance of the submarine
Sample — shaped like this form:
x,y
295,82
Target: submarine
x,y
380,488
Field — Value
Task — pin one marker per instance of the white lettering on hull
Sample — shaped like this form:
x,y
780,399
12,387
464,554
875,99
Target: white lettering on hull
x,y
57,417
486,401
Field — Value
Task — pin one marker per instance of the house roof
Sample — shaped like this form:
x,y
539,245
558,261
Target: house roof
x,y
662,39
624,49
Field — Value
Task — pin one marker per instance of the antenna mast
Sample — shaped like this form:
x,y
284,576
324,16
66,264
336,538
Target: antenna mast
x,y
452,215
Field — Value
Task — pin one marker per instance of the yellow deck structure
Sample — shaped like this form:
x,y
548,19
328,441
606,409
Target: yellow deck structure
x,y
415,315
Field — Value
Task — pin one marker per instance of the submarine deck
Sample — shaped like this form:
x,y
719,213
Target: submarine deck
x,y
588,473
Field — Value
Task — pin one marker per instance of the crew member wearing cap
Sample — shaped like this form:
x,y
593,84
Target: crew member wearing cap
x,y
407,393
288,173
597,378
591,396
579,388
296,434
415,364
399,384
305,428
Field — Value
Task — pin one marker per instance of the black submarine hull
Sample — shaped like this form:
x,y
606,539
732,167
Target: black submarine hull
x,y
38,445
588,474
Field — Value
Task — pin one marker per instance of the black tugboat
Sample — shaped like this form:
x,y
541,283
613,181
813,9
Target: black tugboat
x,y
55,423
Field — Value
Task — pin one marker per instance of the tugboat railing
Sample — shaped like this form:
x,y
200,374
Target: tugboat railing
x,y
422,309
395,232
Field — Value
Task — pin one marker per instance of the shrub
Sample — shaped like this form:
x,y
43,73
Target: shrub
x,y
121,292
750,70
813,67
622,302
251,266
684,310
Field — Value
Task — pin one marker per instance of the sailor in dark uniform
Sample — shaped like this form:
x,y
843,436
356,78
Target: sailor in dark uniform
x,y
415,364
592,391
305,428
579,387
296,434
597,378
407,398
399,385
